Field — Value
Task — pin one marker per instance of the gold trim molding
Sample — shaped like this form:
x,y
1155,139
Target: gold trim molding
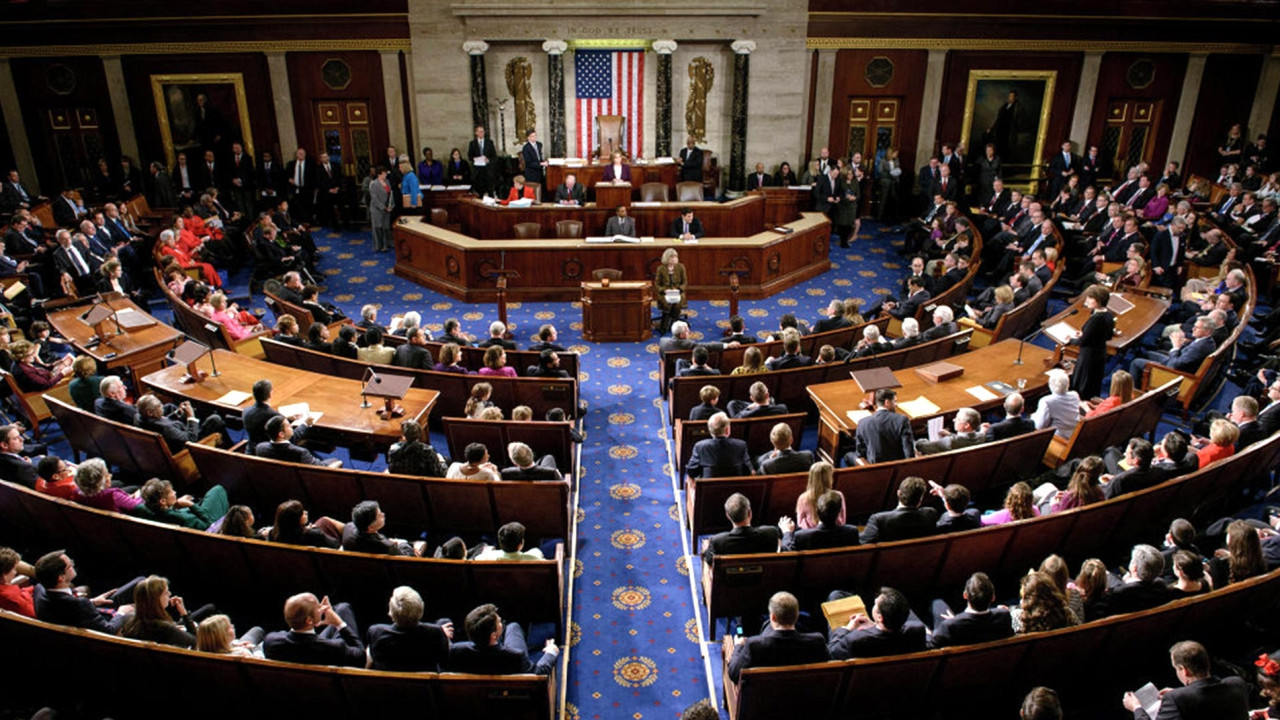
x,y
207,48
900,43
605,44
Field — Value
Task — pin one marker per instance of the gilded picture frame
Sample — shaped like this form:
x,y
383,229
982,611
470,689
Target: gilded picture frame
x,y
1017,124
226,114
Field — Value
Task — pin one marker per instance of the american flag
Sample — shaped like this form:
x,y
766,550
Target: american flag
x,y
610,82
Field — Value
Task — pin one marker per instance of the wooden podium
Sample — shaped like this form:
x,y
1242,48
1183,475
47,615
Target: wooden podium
x,y
610,195
617,310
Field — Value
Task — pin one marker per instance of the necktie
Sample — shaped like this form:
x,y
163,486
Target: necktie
x,y
210,169
686,229
297,175
78,262
22,192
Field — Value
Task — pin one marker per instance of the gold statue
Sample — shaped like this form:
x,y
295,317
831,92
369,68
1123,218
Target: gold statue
x,y
701,77
519,73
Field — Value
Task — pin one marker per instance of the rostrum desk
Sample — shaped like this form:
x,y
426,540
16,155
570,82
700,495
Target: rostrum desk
x,y
617,311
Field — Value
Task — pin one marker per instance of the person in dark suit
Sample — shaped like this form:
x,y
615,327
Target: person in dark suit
x,y
269,181
698,368
570,192
526,468
978,623
1168,248
782,459
759,178
917,295
1187,353
743,538
240,179
535,161
1140,475
617,170
67,212
345,346
280,430
709,395
780,644
943,324
1092,338
14,467
547,337
827,190
319,634
14,195
948,185
1141,588
111,405
257,416
908,520
300,174
1062,166
56,602
1093,167
481,153
497,648
690,162
719,455
413,353
1013,423
210,173
761,405
328,191
1203,696
363,533
829,533
834,319
889,630
177,433
408,644
318,338
1244,413
790,357
686,227
957,516
884,436
497,336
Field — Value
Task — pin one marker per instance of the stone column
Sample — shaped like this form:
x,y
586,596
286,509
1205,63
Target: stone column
x,y
822,99
927,136
1084,102
479,92
1264,101
1186,109
120,107
281,94
393,97
738,141
555,94
662,140
22,158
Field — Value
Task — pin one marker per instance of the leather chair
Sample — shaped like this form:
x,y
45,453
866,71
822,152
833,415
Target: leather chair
x,y
527,230
603,273
569,229
689,192
537,190
439,217
654,192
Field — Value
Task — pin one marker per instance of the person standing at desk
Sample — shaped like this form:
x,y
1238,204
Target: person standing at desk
x,y
1092,340
617,170
534,161
686,227
410,187
458,172
621,224
671,276
690,162
481,152
570,192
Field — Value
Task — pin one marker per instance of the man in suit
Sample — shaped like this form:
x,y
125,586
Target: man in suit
x,y
111,405
690,162
1244,413
1204,696
14,467
917,295
908,520
782,459
743,539
989,171
621,224
759,178
1171,177
686,227
14,195
569,192
826,190
943,324
709,395
928,178
834,319
1138,455
1167,249
526,469
699,367
481,153
328,192
948,185
209,173
364,533
1013,423
162,193
269,182
17,241
1061,167
761,404
889,630
260,413
68,259
280,446
319,634
535,162
1141,587
1187,353
956,516
968,433
978,623
719,455
1093,167
408,644
884,436
497,331
780,644
547,337
67,212
177,434
240,179
790,357
413,353
829,533
56,601
497,648
301,177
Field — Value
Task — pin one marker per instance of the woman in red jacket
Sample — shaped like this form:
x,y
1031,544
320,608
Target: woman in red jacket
x,y
520,191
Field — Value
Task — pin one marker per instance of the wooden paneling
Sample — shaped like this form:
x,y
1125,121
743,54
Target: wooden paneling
x,y
907,83
138,70
1166,87
306,83
37,97
1226,96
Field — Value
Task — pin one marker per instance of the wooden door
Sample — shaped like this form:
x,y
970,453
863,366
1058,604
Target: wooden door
x,y
1130,134
345,132
873,127
74,143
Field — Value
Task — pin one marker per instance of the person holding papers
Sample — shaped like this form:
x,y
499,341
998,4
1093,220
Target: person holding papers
x,y
519,191
670,287
621,224
1202,695
1092,339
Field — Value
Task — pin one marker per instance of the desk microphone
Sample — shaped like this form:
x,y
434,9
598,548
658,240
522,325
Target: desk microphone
x,y
1036,334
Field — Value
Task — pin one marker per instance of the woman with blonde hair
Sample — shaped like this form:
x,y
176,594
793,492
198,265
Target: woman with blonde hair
x,y
1222,442
239,324
215,634
85,385
853,311
821,480
1019,504
752,362
671,278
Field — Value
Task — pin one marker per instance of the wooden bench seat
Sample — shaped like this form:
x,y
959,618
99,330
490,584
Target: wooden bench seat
x,y
279,307
544,438
33,405
1136,418
207,332
1018,322
952,296
755,431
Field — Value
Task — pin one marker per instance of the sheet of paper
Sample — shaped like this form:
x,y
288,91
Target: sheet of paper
x,y
935,428
1118,304
1060,332
233,398
919,407
646,203
1149,696
982,393
857,416
294,409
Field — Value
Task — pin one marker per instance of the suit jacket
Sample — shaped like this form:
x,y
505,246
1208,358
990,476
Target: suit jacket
x,y
1209,698
1135,596
785,461
719,457
313,649
176,434
969,519
286,452
412,356
744,410
243,171
968,628
884,436
64,263
308,176
908,307
874,642
270,178
533,472
1132,480
609,175
533,157
621,226
691,164
1058,164
62,608
777,648
17,469
938,331
112,409
900,524
787,361
475,149
677,228
255,418
832,323
326,181
1188,357
577,194
11,197
703,411
955,441
465,657
16,243
1009,427
756,181
418,648
743,541
823,188
204,178
65,214
821,538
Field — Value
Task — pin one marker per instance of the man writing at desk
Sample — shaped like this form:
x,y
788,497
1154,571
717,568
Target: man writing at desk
x,y
621,224
570,192
687,227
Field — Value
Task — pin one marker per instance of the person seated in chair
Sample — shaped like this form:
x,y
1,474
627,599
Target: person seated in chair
x,y
907,521
497,648
520,191
408,644
319,634
113,404
790,357
957,515
968,433
910,334
413,456
871,344
257,415
780,644
325,313
56,600
374,351
782,459
177,433
719,455
570,192
889,630
345,346
686,227
363,534
1141,588
830,532
547,337
709,395
698,368
413,353
160,503
280,446
743,538
680,340
761,405
548,366
835,318
978,623
526,468
621,224
497,336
